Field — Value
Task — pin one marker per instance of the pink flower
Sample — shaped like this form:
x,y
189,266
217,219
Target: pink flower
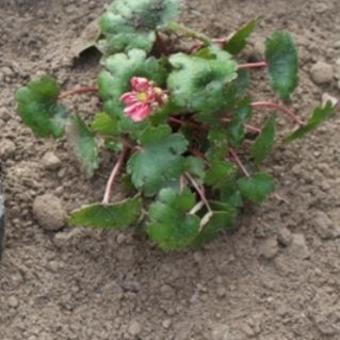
x,y
143,100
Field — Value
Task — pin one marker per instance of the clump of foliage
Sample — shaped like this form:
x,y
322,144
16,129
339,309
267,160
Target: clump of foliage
x,y
178,122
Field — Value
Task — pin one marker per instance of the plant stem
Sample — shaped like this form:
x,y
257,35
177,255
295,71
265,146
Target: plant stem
x,y
252,128
260,64
74,92
278,107
238,161
189,32
199,190
114,173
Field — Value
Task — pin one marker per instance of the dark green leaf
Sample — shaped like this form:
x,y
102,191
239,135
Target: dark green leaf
x,y
264,142
159,163
218,144
320,114
38,107
112,216
257,187
84,145
171,226
238,41
220,175
236,129
218,221
195,166
104,124
130,24
198,84
282,59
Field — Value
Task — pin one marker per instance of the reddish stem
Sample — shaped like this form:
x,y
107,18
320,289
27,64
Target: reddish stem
x,y
252,128
74,92
274,106
114,173
260,64
238,161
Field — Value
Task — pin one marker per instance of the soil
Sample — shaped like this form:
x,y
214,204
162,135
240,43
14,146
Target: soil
x,y
277,277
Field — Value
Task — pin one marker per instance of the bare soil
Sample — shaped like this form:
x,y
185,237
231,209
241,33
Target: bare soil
x,y
277,277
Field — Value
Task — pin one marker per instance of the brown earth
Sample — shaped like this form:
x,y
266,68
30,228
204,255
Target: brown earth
x,y
277,277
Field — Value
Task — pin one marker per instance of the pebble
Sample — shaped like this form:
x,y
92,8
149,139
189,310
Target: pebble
x,y
298,247
13,302
51,161
221,292
49,212
284,237
7,148
134,328
166,323
325,227
221,332
269,249
322,73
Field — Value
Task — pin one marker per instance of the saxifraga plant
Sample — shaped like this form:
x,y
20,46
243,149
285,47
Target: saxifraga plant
x,y
178,122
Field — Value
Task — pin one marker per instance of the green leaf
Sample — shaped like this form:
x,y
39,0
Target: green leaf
x,y
218,221
264,142
130,24
257,187
84,144
171,226
236,129
282,59
112,216
195,166
159,163
320,114
38,107
114,81
238,41
104,124
218,144
198,84
220,175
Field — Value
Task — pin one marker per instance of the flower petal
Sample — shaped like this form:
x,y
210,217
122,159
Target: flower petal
x,y
140,84
129,98
138,111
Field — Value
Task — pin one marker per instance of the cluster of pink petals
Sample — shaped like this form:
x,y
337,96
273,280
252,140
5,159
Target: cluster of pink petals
x,y
144,98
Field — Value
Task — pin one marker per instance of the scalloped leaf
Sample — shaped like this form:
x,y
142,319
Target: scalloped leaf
x,y
83,142
199,84
130,24
238,40
320,114
220,175
171,226
104,124
264,142
112,216
38,107
282,59
159,163
257,187
114,81
236,130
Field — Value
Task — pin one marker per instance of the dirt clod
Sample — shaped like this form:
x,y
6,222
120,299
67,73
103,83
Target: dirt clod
x,y
49,212
51,161
135,328
322,73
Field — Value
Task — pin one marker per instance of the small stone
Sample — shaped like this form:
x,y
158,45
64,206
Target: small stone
x,y
269,249
221,332
51,161
328,98
298,247
284,237
49,212
221,292
121,238
134,328
166,323
322,73
325,227
7,148
13,302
